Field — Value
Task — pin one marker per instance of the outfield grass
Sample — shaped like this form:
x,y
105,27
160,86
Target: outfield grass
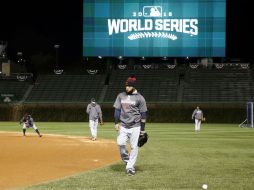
x,y
221,155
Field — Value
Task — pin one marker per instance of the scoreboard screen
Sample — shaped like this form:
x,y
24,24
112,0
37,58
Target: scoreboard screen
x,y
154,28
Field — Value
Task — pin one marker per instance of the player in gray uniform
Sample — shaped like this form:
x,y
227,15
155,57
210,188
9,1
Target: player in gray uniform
x,y
28,122
130,117
95,116
198,116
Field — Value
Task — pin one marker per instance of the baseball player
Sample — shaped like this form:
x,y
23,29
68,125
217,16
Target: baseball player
x,y
28,122
95,115
198,116
130,117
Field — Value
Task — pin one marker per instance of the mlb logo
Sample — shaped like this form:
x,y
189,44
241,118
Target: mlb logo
x,y
152,11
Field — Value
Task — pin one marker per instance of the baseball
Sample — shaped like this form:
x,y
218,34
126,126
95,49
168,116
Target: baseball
x,y
204,186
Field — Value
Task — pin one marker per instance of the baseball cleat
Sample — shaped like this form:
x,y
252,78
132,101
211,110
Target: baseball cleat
x,y
130,172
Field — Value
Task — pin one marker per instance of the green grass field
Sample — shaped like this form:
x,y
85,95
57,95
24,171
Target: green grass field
x,y
221,155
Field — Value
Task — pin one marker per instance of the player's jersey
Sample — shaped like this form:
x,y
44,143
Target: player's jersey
x,y
28,122
197,114
94,111
131,107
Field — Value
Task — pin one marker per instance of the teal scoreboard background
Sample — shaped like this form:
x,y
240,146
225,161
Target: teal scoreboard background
x,y
154,28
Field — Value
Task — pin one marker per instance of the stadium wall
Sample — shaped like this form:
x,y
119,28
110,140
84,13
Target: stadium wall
x,y
163,113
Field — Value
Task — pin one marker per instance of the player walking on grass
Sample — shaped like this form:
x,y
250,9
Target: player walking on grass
x,y
28,122
198,116
95,116
130,117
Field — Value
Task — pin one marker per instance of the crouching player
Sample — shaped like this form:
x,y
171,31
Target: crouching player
x,y
28,122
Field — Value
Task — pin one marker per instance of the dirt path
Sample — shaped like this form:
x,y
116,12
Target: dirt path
x,y
31,160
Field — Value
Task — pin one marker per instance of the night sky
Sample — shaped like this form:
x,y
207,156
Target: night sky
x,y
36,26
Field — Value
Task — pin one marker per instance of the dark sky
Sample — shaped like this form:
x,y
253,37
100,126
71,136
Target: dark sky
x,y
33,26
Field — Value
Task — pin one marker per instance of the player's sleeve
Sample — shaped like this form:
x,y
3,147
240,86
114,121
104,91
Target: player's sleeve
x,y
193,114
117,104
88,109
100,113
21,121
142,105
143,111
117,115
31,121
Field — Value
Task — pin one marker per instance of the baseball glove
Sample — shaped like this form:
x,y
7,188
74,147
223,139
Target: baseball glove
x,y
143,137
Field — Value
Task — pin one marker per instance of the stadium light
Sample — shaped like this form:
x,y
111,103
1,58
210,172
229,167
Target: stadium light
x,y
245,65
19,53
56,46
147,66
164,58
21,77
58,71
171,66
92,72
120,59
219,65
143,58
122,67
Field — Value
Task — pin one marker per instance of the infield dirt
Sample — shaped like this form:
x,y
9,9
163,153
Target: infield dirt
x,y
32,160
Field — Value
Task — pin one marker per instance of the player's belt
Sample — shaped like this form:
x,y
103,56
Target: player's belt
x,y
130,124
